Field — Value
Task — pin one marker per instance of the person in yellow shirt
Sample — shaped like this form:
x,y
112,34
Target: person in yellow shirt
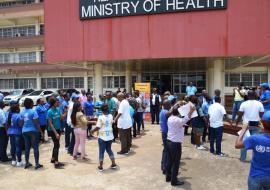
x,y
238,94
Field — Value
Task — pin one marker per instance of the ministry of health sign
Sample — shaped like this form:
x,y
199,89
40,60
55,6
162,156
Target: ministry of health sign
x,y
93,9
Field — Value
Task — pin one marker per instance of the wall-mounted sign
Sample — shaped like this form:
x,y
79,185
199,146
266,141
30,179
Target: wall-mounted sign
x,y
93,9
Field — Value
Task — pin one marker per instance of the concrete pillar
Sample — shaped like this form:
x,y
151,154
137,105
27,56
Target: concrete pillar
x,y
98,86
128,77
38,56
37,26
38,82
215,76
139,71
85,77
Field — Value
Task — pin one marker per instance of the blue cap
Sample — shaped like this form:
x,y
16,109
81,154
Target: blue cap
x,y
13,102
171,97
74,96
265,85
266,116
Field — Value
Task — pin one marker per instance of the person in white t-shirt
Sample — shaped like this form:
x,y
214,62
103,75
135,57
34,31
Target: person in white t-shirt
x,y
105,136
216,113
124,123
251,111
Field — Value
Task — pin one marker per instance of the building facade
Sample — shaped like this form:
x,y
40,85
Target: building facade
x,y
45,45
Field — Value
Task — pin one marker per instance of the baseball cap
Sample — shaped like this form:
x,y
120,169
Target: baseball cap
x,y
265,85
266,116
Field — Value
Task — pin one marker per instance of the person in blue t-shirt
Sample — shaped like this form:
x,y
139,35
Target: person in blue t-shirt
x,y
98,105
42,117
259,176
191,89
15,133
31,132
88,108
163,118
54,130
265,96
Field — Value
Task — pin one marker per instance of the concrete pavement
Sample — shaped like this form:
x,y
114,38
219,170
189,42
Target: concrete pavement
x,y
138,171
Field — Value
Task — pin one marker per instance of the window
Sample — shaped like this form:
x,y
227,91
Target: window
x,y
114,81
79,82
4,58
249,79
90,83
18,31
27,57
25,83
62,82
42,56
6,84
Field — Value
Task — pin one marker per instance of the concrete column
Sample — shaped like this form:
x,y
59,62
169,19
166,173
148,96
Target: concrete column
x,y
215,76
37,26
85,77
38,56
139,71
128,77
98,86
38,82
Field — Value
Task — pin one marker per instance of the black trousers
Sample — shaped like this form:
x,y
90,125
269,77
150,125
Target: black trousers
x,y
3,144
125,139
174,157
155,114
72,142
115,131
56,145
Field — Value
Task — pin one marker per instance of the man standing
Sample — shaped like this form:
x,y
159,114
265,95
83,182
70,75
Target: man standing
x,y
83,97
191,89
124,123
155,106
163,116
238,94
251,111
3,134
88,109
111,103
216,114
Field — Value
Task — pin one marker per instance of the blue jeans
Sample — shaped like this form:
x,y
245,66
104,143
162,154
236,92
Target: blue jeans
x,y
164,159
31,139
215,136
105,145
16,147
259,183
138,120
243,152
236,107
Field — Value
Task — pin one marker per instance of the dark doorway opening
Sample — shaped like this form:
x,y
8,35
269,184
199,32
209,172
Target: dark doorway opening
x,y
165,83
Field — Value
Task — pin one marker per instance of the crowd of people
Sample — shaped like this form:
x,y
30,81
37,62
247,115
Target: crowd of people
x,y
121,114
206,116
113,115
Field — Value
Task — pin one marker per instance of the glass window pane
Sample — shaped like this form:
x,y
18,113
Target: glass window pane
x,y
109,82
247,79
90,83
60,83
116,82
234,79
122,82
264,77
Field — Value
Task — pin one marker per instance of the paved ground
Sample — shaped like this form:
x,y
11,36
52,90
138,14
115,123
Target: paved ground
x,y
140,170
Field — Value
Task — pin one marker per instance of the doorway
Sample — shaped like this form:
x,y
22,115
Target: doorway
x,y
165,83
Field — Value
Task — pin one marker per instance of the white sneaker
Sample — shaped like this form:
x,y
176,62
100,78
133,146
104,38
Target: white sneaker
x,y
19,164
13,163
201,148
